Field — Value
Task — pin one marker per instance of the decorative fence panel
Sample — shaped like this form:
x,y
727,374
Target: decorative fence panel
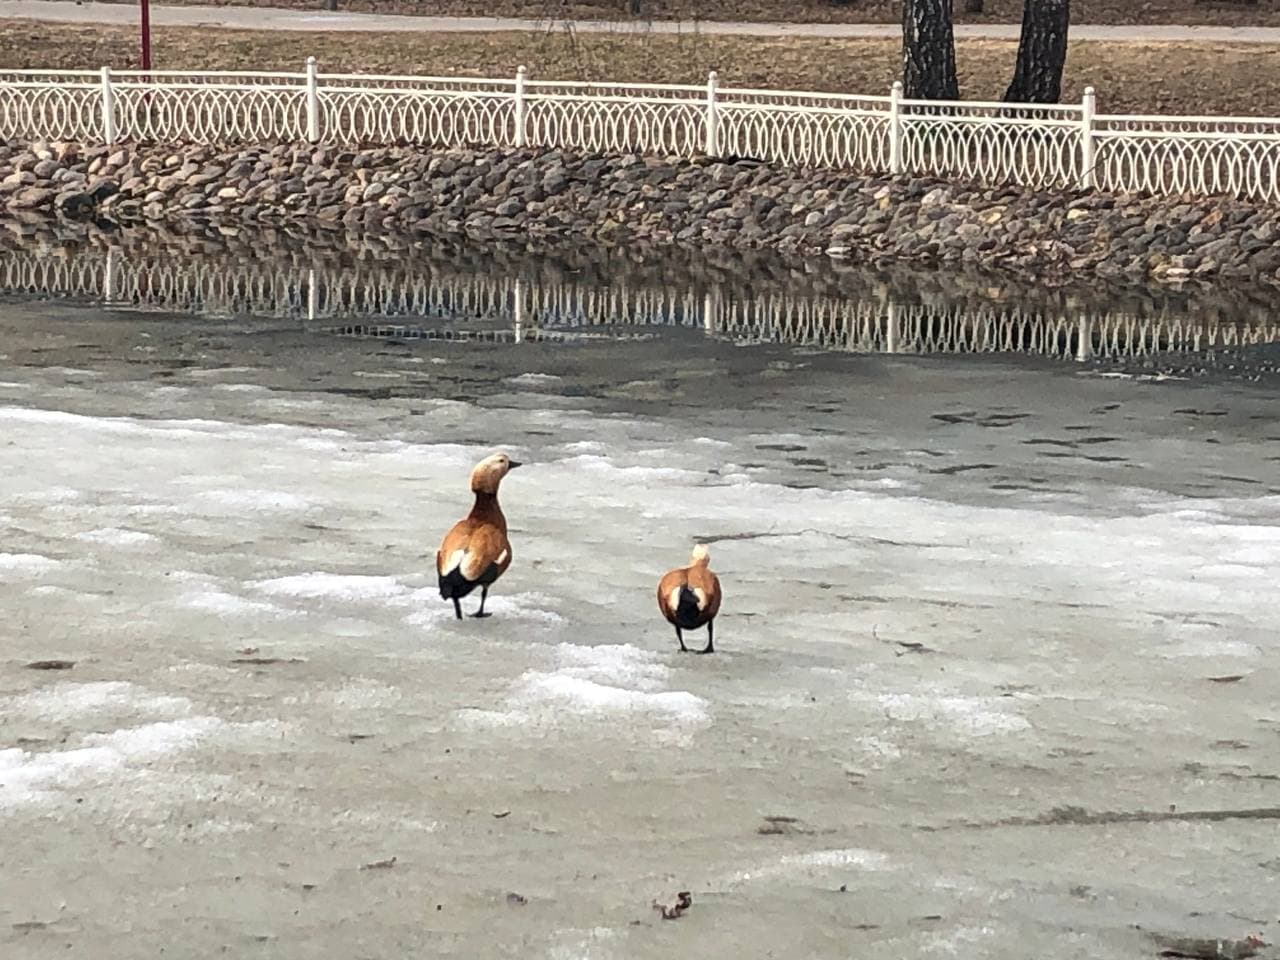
x,y
1067,146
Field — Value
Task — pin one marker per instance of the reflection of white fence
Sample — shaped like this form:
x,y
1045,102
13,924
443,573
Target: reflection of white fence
x,y
1035,145
385,300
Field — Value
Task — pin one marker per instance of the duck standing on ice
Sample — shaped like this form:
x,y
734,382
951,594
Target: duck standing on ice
x,y
476,552
689,597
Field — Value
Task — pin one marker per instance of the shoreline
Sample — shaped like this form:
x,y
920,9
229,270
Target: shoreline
x,y
1052,238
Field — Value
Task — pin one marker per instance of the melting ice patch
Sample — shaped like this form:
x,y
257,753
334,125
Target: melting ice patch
x,y
599,683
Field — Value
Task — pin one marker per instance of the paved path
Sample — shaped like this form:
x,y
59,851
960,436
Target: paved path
x,y
269,18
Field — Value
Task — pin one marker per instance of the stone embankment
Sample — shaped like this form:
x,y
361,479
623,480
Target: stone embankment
x,y
556,196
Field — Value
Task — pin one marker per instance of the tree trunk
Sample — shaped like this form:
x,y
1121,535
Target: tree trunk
x,y
928,51
1042,52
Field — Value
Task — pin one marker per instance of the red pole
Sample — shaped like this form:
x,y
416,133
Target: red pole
x,y
146,34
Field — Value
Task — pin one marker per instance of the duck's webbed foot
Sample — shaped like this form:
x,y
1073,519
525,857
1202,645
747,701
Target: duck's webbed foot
x,y
680,640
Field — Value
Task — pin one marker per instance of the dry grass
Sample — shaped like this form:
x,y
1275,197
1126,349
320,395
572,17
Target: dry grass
x,y
1224,12
1167,78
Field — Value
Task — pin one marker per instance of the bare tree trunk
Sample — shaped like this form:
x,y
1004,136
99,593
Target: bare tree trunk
x,y
1042,52
928,51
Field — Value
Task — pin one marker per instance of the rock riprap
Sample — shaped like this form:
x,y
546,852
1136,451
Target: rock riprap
x,y
551,195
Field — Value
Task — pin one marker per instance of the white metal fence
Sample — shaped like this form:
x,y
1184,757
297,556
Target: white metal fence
x,y
1066,145
398,300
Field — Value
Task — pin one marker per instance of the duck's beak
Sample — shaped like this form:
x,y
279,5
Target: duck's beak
x,y
512,464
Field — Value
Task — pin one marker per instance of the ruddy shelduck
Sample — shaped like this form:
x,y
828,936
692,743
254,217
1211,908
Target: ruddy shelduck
x,y
689,597
476,551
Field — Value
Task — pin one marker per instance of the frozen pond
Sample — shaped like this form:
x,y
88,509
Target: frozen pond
x,y
999,629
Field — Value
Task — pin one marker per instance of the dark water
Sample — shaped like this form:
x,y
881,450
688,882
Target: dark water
x,y
402,288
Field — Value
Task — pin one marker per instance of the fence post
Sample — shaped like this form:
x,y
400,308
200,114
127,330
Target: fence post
x,y
313,102
519,104
1087,105
108,108
712,145
895,128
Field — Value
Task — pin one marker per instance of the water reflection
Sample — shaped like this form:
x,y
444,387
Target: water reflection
x,y
428,288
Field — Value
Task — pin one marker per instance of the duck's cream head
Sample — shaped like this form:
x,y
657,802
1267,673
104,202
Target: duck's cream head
x,y
701,556
488,473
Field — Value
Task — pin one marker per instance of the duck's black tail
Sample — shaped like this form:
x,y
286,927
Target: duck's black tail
x,y
454,584
688,616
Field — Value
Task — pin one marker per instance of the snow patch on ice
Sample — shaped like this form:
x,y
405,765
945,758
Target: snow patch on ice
x,y
534,380
971,716
598,683
525,608
378,820
335,587
15,566
32,777
256,500
223,604
574,944
358,696
804,864
589,698
630,476
116,537
70,702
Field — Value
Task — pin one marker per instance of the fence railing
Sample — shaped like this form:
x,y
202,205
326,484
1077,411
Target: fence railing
x,y
1035,145
403,301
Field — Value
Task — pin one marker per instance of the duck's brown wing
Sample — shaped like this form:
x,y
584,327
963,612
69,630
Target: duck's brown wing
x,y
453,547
475,551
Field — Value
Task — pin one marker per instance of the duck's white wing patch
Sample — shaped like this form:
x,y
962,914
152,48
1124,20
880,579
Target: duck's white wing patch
x,y
701,596
450,563
502,557
673,598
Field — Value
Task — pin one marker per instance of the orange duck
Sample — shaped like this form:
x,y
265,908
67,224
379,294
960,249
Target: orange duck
x,y
476,551
689,597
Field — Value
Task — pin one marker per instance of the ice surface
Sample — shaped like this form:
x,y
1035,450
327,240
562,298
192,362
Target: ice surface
x,y
940,626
